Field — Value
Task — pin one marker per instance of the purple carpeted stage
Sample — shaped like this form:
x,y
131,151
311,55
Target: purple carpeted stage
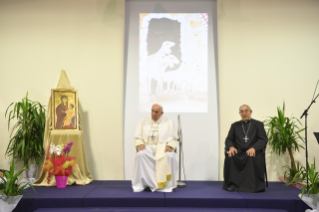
x,y
206,196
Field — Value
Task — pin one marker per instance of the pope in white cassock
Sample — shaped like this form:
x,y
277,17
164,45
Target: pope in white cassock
x,y
155,162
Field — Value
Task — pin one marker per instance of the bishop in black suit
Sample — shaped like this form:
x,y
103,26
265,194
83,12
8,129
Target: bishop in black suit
x,y
244,167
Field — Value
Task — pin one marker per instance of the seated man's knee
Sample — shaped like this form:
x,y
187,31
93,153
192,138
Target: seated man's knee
x,y
170,155
141,154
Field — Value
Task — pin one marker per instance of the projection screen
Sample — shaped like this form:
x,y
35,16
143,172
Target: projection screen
x,y
171,60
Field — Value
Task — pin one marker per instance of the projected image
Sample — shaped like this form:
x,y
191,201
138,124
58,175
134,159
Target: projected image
x,y
173,61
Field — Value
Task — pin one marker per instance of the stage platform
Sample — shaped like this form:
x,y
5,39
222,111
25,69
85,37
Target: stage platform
x,y
198,196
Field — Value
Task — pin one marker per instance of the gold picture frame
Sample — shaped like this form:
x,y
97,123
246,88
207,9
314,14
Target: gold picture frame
x,y
64,107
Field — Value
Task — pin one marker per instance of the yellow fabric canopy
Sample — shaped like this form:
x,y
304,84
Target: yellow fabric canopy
x,y
81,174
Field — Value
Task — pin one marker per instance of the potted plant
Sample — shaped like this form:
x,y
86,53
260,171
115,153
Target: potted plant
x,y
312,191
284,134
59,163
26,138
11,191
290,173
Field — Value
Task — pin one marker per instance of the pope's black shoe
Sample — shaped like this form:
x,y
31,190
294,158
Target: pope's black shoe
x,y
147,189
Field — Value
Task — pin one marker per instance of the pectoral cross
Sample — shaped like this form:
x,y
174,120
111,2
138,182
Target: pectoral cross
x,y
246,139
153,137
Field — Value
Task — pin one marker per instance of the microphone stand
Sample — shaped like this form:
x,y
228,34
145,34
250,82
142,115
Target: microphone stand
x,y
305,113
180,139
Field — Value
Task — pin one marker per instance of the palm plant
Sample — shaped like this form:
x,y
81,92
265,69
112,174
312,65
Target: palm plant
x,y
290,173
284,134
312,177
26,138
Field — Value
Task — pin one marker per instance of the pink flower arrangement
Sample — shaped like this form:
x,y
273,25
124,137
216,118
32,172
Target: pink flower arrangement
x,y
58,162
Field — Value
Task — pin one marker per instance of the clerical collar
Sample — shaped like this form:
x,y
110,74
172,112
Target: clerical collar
x,y
246,122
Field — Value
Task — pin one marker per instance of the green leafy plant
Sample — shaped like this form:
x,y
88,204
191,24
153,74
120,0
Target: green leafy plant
x,y
290,172
312,178
9,185
26,138
284,134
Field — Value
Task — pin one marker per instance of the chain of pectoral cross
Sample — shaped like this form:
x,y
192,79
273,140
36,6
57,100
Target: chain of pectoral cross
x,y
153,136
246,139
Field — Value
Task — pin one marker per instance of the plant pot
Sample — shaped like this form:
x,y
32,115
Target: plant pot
x,y
29,176
32,172
298,185
24,181
282,179
311,200
7,204
61,181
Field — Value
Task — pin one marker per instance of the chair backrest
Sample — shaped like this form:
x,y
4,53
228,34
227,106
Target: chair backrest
x,y
3,170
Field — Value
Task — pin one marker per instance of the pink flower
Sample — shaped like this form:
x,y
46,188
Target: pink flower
x,y
69,144
66,149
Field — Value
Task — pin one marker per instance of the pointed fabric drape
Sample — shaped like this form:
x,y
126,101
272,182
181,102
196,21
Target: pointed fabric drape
x,y
81,174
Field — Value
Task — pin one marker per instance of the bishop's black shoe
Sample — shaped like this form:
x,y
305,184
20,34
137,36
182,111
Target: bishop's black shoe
x,y
230,189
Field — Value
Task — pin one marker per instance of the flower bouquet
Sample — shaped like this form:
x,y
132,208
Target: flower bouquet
x,y
59,163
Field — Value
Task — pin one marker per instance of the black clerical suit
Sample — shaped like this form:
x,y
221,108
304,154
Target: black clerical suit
x,y
242,172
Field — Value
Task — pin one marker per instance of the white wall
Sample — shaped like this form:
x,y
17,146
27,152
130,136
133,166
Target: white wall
x,y
268,52
38,39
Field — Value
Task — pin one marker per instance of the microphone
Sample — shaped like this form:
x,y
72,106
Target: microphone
x,y
312,101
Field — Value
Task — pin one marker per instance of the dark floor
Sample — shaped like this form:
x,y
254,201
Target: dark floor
x,y
118,196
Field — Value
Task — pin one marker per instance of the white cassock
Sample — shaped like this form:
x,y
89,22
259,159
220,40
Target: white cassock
x,y
155,168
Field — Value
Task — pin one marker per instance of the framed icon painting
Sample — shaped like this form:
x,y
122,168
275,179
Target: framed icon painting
x,y
64,109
